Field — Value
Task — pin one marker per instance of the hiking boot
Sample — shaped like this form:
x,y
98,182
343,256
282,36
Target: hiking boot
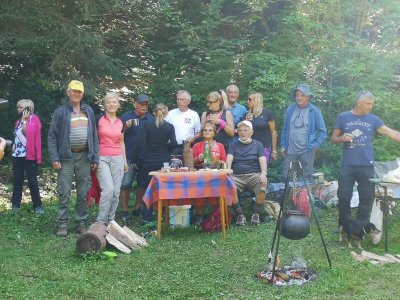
x,y
81,229
241,220
255,219
39,210
62,232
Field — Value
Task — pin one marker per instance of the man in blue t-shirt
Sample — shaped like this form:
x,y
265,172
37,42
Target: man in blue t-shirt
x,y
356,129
246,158
238,110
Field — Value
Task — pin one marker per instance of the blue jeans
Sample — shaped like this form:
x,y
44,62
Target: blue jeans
x,y
20,166
129,176
348,176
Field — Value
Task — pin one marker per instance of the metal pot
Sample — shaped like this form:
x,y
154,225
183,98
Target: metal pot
x,y
176,163
295,225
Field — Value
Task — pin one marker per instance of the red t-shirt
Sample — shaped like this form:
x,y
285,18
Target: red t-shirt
x,y
110,135
217,151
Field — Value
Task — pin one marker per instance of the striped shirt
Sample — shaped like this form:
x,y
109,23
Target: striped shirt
x,y
78,136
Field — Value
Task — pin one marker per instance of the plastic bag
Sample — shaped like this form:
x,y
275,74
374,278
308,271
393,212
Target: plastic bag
x,y
376,218
272,208
213,222
301,201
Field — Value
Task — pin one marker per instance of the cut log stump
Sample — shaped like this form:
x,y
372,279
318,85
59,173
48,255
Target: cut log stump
x,y
94,240
97,236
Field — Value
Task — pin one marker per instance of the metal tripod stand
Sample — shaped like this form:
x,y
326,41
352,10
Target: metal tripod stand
x,y
295,166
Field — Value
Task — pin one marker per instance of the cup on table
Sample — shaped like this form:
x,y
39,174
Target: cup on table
x,y
135,122
166,165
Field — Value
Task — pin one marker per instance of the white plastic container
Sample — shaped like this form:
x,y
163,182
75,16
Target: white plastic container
x,y
179,216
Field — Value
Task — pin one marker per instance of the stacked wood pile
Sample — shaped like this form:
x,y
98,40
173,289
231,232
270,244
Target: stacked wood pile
x,y
375,258
97,236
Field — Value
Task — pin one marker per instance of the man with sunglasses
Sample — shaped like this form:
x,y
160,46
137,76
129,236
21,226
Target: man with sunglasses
x,y
186,121
356,129
303,131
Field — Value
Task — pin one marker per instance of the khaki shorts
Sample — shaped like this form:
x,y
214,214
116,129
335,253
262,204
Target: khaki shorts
x,y
249,182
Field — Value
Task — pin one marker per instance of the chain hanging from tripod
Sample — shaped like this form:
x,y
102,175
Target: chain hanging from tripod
x,y
295,189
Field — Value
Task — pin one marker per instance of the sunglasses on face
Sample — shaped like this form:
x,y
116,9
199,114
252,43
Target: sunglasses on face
x,y
249,99
211,102
209,130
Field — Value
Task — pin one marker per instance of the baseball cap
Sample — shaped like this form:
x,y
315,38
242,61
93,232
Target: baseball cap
x,y
142,98
76,85
246,123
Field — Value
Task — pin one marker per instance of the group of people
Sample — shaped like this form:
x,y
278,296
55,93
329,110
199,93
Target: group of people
x,y
123,149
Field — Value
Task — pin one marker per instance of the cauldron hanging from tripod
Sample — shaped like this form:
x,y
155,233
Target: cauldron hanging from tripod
x,y
293,224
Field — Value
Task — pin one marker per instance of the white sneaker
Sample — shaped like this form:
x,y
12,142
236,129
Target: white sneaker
x,y
241,220
255,219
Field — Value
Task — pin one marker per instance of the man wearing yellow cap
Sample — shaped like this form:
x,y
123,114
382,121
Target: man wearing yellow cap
x,y
73,151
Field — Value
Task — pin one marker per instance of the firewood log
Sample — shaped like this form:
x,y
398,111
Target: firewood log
x,y
94,240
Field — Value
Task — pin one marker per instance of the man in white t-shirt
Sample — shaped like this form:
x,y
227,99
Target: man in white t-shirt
x,y
186,121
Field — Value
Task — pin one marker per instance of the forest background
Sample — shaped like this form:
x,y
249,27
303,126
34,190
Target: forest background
x,y
339,47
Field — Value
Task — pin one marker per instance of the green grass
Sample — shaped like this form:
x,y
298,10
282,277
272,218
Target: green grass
x,y
185,264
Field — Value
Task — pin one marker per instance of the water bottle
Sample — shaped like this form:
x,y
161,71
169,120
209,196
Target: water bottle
x,y
207,155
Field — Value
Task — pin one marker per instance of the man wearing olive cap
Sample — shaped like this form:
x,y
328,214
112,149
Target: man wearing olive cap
x,y
73,151
303,131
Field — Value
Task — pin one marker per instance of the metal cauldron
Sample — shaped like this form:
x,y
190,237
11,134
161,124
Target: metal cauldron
x,y
295,225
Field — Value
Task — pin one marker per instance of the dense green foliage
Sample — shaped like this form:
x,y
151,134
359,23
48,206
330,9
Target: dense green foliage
x,y
338,47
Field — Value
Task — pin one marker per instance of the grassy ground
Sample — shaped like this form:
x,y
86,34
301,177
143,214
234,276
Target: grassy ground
x,y
185,264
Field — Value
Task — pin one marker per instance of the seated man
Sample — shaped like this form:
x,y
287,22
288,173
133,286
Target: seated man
x,y
246,158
